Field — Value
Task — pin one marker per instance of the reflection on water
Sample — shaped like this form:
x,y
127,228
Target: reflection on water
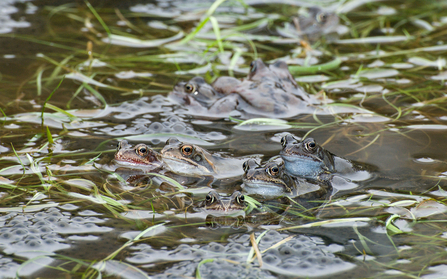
x,y
8,10
67,211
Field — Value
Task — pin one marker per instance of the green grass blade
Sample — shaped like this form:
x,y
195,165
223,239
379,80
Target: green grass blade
x,y
49,97
334,64
217,32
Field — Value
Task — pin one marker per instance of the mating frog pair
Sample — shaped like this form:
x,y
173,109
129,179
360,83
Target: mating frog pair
x,y
305,168
269,91
180,158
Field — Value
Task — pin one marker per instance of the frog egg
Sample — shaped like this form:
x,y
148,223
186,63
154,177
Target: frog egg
x,y
141,121
215,136
184,252
235,258
141,103
271,236
324,260
271,259
175,119
198,254
5,235
286,251
45,229
33,243
215,247
20,232
155,141
190,132
156,127
178,128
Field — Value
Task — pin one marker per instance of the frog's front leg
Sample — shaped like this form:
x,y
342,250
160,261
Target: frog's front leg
x,y
225,105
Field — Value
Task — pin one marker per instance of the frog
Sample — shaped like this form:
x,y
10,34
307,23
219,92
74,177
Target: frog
x,y
139,156
197,88
201,99
311,23
272,180
308,159
192,160
269,91
215,203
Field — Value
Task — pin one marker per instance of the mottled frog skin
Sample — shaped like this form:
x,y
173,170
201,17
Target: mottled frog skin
x,y
201,99
187,159
272,180
316,21
308,159
192,160
139,155
269,91
196,92
217,204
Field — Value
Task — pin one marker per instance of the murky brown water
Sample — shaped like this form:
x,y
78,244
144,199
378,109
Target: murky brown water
x,y
64,212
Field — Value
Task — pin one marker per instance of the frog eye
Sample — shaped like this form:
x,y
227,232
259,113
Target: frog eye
x,y
322,17
310,145
189,87
209,198
187,150
273,170
245,166
240,199
197,158
283,141
253,66
118,146
142,150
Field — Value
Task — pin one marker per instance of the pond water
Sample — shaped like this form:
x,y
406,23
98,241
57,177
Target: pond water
x,y
77,77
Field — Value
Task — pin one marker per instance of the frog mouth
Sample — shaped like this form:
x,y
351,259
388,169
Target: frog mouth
x,y
181,165
122,160
260,184
291,157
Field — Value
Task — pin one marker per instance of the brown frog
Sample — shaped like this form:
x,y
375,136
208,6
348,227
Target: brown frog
x,y
312,23
214,203
200,98
139,155
269,91
192,160
272,180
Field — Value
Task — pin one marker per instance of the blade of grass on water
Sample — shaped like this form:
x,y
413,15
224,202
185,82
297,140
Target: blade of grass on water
x,y
170,180
49,97
334,64
39,80
252,251
326,222
210,11
217,32
49,136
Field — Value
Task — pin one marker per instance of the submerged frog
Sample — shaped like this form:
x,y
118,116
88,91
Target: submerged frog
x,y
272,180
192,160
217,204
312,22
267,91
308,159
200,98
139,155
